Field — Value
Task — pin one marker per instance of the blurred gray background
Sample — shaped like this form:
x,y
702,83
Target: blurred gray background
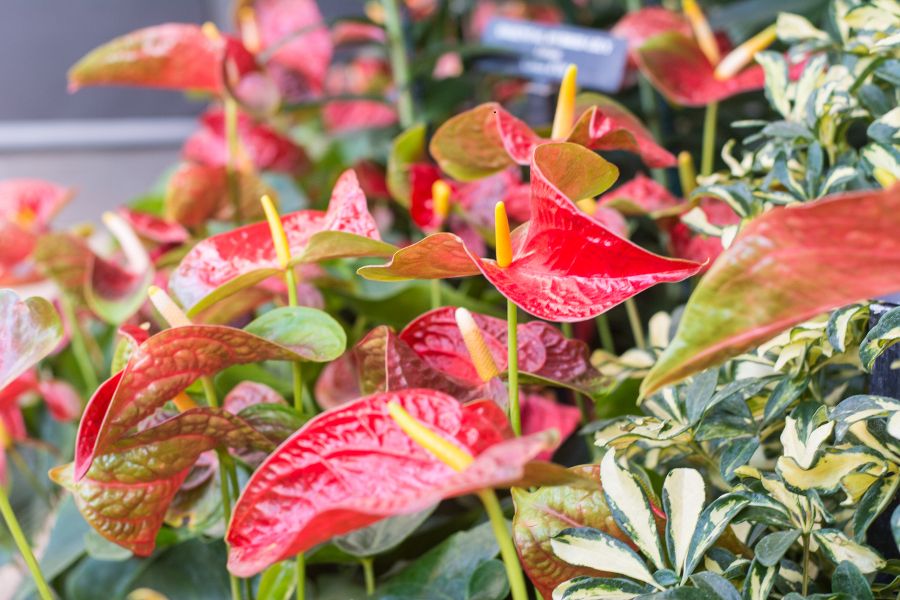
x,y
111,144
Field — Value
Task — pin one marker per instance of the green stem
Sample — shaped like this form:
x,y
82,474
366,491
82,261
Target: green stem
x,y
634,320
399,62
435,293
369,573
512,344
805,564
19,538
709,139
300,568
507,550
226,473
648,103
79,347
29,475
606,338
566,329
232,146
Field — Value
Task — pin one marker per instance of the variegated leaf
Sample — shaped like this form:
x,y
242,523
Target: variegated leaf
x,y
631,508
837,547
861,407
829,471
713,521
759,581
683,497
598,588
885,333
586,547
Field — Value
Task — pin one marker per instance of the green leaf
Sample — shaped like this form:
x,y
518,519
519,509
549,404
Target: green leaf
x,y
631,508
716,585
448,568
383,535
278,582
488,582
312,333
873,502
847,579
861,407
771,548
783,268
329,245
598,588
31,330
683,497
885,333
737,454
699,393
785,393
594,549
547,511
407,149
468,146
713,521
837,547
275,421
100,548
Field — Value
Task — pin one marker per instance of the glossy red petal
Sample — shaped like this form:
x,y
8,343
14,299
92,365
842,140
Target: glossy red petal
x,y
353,465
160,368
639,196
540,413
153,228
266,148
689,245
611,220
421,205
638,26
295,34
246,255
173,55
566,266
607,125
677,67
61,398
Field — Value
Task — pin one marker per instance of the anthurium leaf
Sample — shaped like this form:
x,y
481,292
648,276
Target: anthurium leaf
x,y
383,535
225,263
161,367
583,276
313,503
547,511
30,329
607,125
195,193
683,497
328,245
678,69
783,268
173,55
310,332
883,335
448,567
587,588
630,507
407,149
771,548
712,523
586,547
837,548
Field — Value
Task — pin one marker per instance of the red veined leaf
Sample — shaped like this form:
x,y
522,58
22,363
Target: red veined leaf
x,y
30,329
639,196
353,465
638,26
543,513
153,228
487,138
173,55
386,363
565,266
249,393
225,263
783,268
126,492
164,365
338,383
267,149
677,67
298,42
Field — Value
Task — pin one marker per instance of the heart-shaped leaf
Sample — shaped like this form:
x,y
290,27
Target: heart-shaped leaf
x,y
173,55
488,139
164,365
544,513
223,264
565,266
319,483
29,330
785,267
313,334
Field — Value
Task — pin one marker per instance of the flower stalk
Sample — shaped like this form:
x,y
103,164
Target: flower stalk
x,y
12,523
503,245
399,62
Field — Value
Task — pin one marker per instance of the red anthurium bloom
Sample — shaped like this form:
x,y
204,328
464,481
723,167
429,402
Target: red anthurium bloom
x,y
539,12
153,228
565,266
222,264
697,246
267,149
352,466
639,196
361,76
636,27
487,138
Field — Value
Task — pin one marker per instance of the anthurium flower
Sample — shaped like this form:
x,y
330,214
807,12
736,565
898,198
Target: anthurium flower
x,y
362,76
637,26
26,208
700,247
564,265
641,195
225,263
153,228
487,138
352,466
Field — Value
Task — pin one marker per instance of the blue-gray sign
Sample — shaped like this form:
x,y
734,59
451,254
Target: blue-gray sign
x,y
542,52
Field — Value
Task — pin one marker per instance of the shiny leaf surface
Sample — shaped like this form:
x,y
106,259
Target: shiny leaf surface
x,y
30,329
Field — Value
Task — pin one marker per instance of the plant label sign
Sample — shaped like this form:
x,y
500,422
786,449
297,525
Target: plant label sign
x,y
542,52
